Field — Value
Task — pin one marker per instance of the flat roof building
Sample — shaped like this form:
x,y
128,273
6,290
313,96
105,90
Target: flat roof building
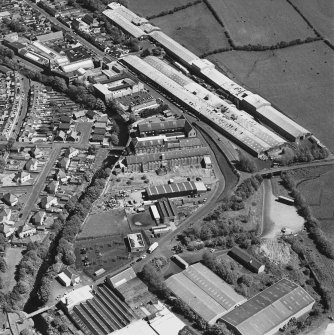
x,y
269,310
136,242
204,292
174,190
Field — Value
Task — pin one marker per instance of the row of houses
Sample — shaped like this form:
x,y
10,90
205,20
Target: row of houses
x,y
11,98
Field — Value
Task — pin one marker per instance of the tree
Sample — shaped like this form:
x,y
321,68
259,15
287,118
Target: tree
x,y
1,283
246,164
100,105
2,165
114,139
3,265
59,84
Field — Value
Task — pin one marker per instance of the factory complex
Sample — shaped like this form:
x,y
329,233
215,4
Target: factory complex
x,y
236,118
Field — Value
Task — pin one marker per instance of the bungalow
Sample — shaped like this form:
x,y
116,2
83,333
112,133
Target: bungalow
x,y
38,218
36,152
61,176
73,136
52,187
65,119
32,164
65,126
7,230
48,201
71,152
5,214
26,231
21,177
10,199
60,136
69,277
77,115
64,163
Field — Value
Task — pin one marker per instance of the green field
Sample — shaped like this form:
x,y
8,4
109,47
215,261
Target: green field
x,y
195,28
151,7
319,194
264,22
320,13
104,224
298,80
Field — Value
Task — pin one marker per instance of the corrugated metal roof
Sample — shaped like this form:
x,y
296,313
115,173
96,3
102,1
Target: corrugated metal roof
x,y
269,308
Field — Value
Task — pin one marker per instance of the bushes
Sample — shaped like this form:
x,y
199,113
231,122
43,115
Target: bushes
x,y
246,164
324,245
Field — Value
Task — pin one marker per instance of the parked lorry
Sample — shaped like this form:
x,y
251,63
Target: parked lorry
x,y
152,247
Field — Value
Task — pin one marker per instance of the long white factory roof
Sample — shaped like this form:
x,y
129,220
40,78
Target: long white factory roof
x,y
125,24
240,117
249,139
173,46
139,27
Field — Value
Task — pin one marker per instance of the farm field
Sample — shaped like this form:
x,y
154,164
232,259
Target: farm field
x,y
261,21
319,194
298,80
195,28
151,7
105,223
320,14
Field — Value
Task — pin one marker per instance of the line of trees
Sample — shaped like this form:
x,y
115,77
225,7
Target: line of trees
x,y
324,245
175,9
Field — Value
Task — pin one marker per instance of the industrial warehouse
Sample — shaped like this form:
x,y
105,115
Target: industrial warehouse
x,y
233,122
268,311
205,293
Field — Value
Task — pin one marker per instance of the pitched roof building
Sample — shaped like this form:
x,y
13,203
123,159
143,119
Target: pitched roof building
x,y
10,199
269,310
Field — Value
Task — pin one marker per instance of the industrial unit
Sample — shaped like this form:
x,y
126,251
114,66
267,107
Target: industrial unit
x,y
169,159
244,99
204,292
269,310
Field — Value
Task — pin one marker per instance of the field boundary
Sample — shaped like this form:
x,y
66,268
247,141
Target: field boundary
x,y
259,47
174,10
310,24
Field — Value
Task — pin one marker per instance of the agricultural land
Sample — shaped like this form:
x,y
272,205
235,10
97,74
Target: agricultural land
x,y
298,80
261,22
192,30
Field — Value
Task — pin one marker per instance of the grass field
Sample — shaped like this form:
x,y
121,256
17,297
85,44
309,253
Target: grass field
x,y
264,22
150,7
105,223
195,28
320,13
298,80
319,194
13,257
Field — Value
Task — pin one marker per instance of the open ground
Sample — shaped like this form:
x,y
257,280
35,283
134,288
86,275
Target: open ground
x,y
12,258
261,21
195,28
298,80
320,14
278,215
151,7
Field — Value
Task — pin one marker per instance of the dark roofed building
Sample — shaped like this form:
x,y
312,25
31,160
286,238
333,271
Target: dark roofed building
x,y
100,131
154,161
167,210
166,127
97,138
64,126
269,310
246,260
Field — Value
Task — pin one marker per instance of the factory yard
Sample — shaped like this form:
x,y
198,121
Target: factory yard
x,y
191,26
297,80
276,21
278,216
